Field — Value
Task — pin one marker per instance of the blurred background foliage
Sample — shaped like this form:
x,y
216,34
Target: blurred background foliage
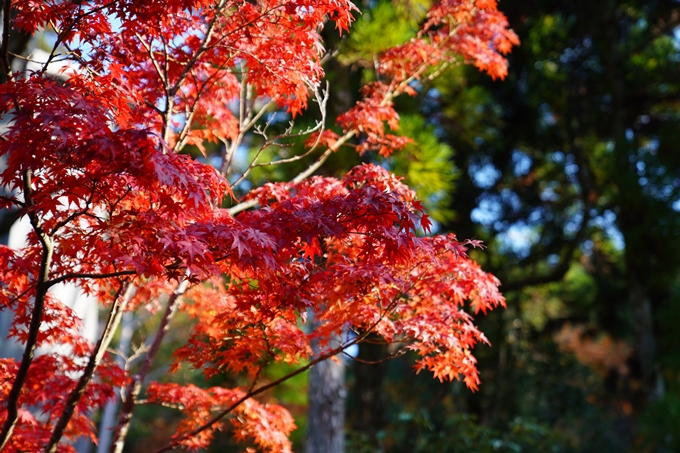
x,y
569,171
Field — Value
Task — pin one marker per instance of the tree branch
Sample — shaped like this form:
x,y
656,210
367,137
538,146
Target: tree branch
x,y
102,345
560,270
175,442
75,214
204,46
302,176
134,388
36,316
391,94
4,48
12,200
75,275
318,127
253,392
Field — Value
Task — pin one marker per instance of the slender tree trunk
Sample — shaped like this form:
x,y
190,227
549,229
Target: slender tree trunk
x,y
326,391
108,422
326,412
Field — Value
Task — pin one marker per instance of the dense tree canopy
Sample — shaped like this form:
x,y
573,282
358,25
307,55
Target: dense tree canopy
x,y
99,158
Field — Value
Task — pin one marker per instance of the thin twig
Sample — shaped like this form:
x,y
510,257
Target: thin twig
x,y
75,214
302,176
194,58
76,275
391,356
12,200
154,62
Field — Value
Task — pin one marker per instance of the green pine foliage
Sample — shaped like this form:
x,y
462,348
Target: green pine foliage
x,y
380,26
427,166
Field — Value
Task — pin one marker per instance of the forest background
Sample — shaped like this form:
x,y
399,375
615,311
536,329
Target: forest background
x,y
569,172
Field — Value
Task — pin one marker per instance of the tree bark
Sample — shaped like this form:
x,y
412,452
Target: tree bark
x,y
326,412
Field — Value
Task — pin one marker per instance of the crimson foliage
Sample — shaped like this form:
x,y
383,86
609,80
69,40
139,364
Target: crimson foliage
x,y
96,164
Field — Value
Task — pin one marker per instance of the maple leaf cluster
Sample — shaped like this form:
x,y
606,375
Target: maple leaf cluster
x,y
96,163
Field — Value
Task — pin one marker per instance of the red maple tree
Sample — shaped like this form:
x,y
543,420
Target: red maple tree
x,y
96,162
